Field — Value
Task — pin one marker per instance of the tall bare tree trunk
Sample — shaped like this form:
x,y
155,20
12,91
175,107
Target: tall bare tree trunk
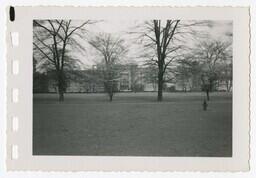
x,y
160,86
61,86
111,91
110,96
61,95
207,94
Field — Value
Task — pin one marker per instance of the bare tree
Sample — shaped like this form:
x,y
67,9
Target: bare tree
x,y
166,40
162,38
112,50
52,39
212,54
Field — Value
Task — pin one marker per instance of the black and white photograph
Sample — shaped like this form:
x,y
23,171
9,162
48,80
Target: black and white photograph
x,y
128,89
156,87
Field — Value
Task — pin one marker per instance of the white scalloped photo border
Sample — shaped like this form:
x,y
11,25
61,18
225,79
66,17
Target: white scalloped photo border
x,y
19,91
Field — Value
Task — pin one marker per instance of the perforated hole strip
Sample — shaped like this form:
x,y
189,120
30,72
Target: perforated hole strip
x,y
13,89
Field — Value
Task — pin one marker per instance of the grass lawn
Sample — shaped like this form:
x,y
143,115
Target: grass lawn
x,y
133,124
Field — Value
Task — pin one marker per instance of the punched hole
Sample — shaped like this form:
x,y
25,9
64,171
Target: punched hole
x,y
15,38
15,67
15,124
15,95
15,152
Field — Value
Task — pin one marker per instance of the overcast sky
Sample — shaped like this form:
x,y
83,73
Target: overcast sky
x,y
217,30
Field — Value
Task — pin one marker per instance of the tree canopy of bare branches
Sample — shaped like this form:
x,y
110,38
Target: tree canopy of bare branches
x,y
52,40
214,55
112,50
165,42
158,36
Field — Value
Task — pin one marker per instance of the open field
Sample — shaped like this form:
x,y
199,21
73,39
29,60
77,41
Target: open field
x,y
133,124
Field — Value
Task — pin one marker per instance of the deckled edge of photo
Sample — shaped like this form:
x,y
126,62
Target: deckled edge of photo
x,y
19,100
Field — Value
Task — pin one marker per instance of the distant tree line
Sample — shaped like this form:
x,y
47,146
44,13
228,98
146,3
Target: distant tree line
x,y
167,56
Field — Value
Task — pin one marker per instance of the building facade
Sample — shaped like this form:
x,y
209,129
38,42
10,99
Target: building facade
x,y
130,78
